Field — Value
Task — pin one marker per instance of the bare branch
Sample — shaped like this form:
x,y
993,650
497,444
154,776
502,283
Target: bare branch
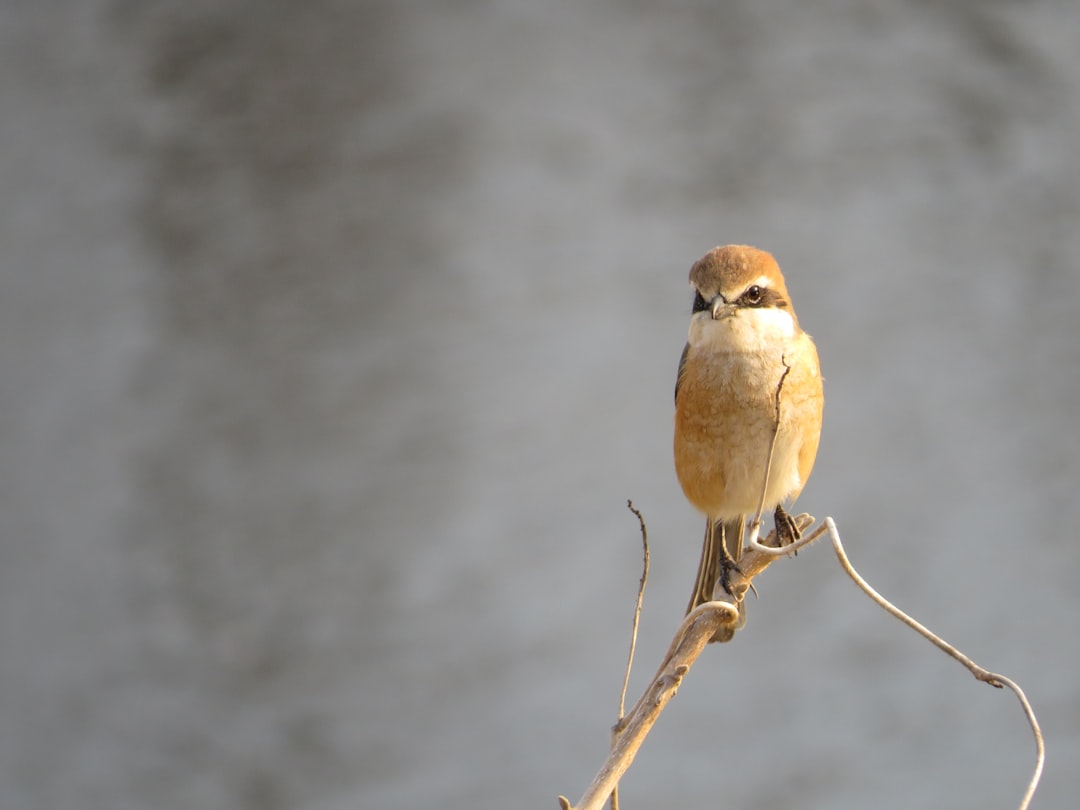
x,y
617,729
690,639
637,607
979,672
699,626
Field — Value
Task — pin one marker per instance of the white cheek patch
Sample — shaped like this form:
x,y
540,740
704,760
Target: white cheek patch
x,y
771,321
700,323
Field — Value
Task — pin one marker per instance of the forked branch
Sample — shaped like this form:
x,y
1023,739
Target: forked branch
x,y
690,639
699,626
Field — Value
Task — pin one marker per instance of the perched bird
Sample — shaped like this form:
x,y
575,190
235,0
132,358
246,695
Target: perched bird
x,y
748,370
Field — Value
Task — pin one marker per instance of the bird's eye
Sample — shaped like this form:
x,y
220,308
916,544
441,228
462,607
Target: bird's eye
x,y
699,302
753,295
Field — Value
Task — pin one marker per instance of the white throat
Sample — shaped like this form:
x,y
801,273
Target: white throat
x,y
747,330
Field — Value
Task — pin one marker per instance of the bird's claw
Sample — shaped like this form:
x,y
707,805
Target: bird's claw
x,y
732,579
787,529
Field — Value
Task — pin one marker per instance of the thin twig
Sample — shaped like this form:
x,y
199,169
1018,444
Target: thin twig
x,y
790,549
979,672
616,730
755,527
637,606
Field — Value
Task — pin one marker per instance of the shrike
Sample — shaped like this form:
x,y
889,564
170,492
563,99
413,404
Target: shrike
x,y
744,345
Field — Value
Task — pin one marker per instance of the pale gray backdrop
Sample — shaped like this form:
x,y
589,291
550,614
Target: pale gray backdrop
x,y
334,336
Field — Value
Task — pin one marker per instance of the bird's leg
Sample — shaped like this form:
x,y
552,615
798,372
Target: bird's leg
x,y
787,530
719,566
731,578
728,566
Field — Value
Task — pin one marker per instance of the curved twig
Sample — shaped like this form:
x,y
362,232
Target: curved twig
x,y
637,606
617,729
755,526
980,673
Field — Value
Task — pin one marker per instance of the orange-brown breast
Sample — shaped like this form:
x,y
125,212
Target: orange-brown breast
x,y
724,417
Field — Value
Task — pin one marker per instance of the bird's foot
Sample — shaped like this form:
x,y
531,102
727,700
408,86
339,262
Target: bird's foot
x,y
787,530
735,584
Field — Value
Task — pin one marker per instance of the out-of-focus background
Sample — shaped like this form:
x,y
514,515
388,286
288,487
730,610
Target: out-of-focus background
x,y
335,335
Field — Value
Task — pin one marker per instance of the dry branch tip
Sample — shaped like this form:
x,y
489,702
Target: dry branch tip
x,y
980,673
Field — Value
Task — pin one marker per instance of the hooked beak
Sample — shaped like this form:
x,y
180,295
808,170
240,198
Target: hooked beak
x,y
721,308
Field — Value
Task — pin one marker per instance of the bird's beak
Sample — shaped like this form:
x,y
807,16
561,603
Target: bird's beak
x,y
721,308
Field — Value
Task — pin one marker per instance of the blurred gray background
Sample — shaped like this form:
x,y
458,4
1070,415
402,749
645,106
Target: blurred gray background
x,y
335,335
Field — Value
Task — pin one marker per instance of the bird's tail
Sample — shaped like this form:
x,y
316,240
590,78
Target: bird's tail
x,y
722,539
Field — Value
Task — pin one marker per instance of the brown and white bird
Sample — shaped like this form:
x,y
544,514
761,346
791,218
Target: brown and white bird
x,y
744,340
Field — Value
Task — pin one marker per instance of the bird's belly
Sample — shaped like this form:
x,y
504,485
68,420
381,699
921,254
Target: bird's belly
x,y
724,424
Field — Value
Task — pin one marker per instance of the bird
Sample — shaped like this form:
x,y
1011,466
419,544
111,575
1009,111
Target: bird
x,y
748,371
